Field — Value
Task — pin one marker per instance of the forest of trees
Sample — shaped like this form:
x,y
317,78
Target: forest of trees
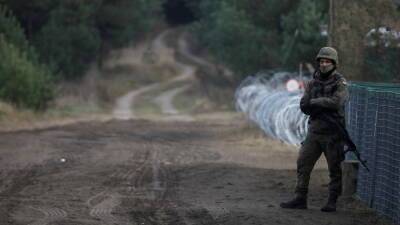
x,y
44,41
248,36
261,34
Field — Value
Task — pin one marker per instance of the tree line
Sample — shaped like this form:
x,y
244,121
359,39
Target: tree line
x,y
44,41
268,34
279,34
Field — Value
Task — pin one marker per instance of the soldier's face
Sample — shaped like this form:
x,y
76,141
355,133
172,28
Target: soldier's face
x,y
325,62
326,65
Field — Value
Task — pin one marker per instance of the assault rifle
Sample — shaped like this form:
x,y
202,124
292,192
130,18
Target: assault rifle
x,y
351,147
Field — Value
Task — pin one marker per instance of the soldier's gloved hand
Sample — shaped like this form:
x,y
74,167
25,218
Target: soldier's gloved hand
x,y
315,111
306,111
305,107
312,108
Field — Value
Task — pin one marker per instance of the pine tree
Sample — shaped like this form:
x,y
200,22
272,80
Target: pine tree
x,y
69,41
22,82
302,33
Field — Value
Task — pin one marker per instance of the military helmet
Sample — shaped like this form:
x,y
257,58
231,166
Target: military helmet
x,y
328,53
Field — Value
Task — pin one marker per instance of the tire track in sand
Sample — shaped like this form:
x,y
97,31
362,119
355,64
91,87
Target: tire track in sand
x,y
50,215
165,100
105,208
123,109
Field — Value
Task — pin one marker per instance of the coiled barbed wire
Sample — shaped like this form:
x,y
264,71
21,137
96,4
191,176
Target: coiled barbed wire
x,y
266,101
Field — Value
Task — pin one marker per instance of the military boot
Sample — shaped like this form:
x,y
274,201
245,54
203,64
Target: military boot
x,y
331,205
299,202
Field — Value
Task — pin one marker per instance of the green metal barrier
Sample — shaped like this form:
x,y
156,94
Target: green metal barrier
x,y
373,121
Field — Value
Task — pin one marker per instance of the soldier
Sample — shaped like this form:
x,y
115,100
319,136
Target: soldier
x,y
325,93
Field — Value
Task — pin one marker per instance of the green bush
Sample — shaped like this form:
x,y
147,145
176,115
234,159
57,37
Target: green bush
x,y
78,33
232,38
69,42
70,34
122,21
14,33
261,34
22,82
32,14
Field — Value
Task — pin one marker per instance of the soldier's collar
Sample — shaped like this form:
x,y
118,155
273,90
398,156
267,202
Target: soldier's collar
x,y
332,78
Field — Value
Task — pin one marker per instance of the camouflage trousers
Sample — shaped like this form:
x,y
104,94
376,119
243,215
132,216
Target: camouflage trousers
x,y
311,149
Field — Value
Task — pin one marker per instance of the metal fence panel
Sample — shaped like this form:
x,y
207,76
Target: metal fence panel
x,y
373,119
386,194
367,148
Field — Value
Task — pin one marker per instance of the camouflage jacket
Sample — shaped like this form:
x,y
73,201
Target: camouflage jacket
x,y
329,95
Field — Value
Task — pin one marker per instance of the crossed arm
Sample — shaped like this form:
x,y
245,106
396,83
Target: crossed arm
x,y
311,106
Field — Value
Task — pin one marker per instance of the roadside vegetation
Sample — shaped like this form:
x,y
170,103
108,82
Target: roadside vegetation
x,y
52,51
251,35
48,47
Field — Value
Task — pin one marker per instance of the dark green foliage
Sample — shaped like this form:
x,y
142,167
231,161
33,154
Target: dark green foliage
x,y
121,21
32,14
23,82
252,35
233,39
69,42
71,34
14,33
302,33
11,29
382,63
68,35
267,14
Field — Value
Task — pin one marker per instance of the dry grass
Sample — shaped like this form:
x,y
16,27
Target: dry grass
x,y
11,115
124,70
192,100
12,119
250,134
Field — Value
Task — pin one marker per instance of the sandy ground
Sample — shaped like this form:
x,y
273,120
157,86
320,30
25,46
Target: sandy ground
x,y
143,172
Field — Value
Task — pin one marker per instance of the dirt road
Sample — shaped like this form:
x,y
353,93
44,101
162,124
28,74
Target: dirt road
x,y
142,172
124,108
